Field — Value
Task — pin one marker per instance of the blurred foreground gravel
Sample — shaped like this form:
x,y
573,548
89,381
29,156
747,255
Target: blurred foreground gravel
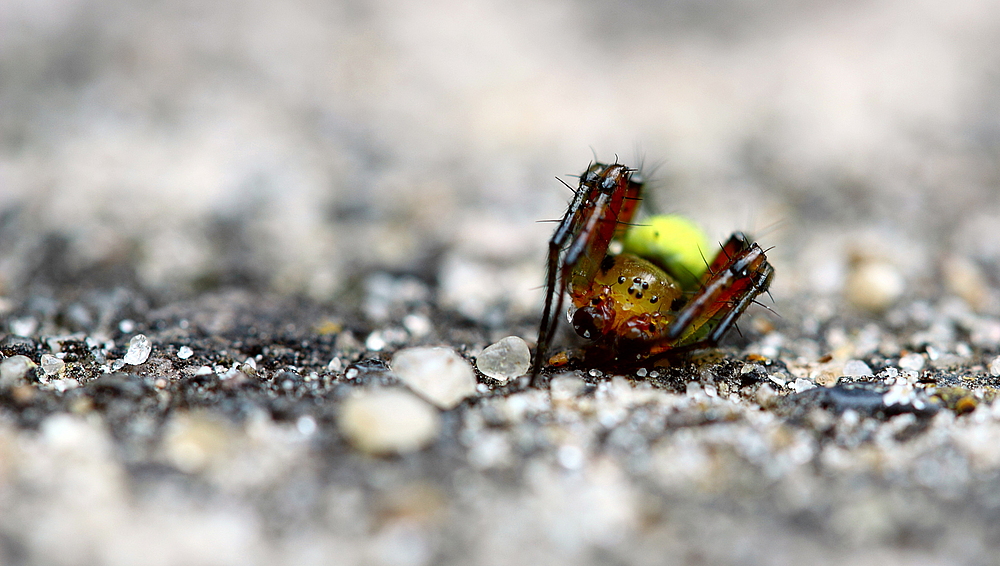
x,y
266,268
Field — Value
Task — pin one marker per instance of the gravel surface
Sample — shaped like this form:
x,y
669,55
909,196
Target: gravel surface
x,y
267,273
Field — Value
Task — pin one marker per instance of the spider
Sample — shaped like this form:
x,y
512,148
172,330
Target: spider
x,y
650,300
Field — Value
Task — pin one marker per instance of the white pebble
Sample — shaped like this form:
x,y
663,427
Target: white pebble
x,y
505,360
184,353
417,325
570,457
912,362
23,326
874,285
800,385
306,425
14,369
375,342
437,374
386,421
994,367
138,350
52,365
856,368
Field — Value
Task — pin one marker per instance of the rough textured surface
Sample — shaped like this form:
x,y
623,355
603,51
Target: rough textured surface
x,y
280,196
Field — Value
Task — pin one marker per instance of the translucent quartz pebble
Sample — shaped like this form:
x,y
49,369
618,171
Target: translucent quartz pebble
x,y
51,365
505,360
856,368
138,350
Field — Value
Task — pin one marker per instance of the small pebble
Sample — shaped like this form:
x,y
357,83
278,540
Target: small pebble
x,y
417,325
800,385
23,326
965,279
375,342
437,374
856,368
570,457
52,365
306,425
138,350
184,353
14,369
874,285
387,421
912,362
505,360
994,367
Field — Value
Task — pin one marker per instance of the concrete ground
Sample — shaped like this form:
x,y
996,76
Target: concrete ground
x,y
221,224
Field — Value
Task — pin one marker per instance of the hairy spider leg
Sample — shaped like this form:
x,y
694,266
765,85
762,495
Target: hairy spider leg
x,y
738,274
553,277
600,210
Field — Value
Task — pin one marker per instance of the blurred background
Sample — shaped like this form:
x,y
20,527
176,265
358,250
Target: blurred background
x,y
180,146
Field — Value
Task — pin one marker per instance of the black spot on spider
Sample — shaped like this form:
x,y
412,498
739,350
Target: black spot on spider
x,y
654,299
638,294
607,263
645,285
621,279
677,304
636,280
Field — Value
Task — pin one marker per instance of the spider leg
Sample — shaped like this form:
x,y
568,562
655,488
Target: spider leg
x,y
601,209
760,280
554,284
730,288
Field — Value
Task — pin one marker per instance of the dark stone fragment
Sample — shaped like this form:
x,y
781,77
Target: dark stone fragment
x,y
865,399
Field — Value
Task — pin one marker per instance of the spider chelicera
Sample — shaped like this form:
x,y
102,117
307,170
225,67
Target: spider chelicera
x,y
641,303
